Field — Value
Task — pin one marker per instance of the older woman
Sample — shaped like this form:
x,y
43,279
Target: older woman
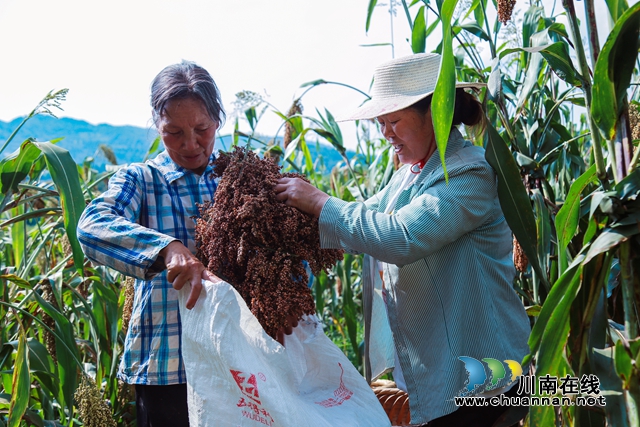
x,y
143,226
438,270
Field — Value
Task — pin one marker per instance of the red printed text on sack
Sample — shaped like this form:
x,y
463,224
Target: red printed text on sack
x,y
249,388
340,395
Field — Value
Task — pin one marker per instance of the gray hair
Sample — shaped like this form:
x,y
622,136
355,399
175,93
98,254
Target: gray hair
x,y
186,80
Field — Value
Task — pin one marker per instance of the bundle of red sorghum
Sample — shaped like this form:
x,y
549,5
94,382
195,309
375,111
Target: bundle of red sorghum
x,y
257,243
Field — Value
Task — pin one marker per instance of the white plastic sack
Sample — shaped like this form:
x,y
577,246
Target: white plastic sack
x,y
237,375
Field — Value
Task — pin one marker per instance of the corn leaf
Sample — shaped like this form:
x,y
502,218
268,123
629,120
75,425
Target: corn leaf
x,y
64,173
513,197
443,102
21,384
370,8
569,214
616,8
15,168
613,71
66,352
419,32
549,334
610,238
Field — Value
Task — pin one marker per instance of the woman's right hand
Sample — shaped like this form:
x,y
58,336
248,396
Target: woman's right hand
x,y
182,267
300,194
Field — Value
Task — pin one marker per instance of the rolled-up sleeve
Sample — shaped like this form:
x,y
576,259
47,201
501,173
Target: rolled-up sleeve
x,y
438,214
109,230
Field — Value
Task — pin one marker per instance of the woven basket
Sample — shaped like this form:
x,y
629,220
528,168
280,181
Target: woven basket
x,y
394,401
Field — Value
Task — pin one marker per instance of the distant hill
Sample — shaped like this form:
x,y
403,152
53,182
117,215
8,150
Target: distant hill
x,y
128,143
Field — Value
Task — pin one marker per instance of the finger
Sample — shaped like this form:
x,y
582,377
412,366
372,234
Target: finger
x,y
280,337
196,287
207,275
288,330
178,283
293,321
172,273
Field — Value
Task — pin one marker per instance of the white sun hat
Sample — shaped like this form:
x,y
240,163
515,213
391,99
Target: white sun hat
x,y
400,83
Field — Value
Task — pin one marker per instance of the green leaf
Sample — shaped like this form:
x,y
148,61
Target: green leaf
x,y
370,8
329,136
514,200
64,173
610,238
15,168
623,363
314,83
630,185
66,352
348,304
252,117
406,12
293,145
613,71
419,32
308,161
616,8
433,26
494,84
153,149
604,369
530,25
17,280
443,101
40,364
550,333
39,213
533,310
476,30
21,384
558,58
543,225
551,330
569,214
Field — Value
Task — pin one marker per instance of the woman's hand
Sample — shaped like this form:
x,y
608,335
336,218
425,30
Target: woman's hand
x,y
292,322
300,194
182,267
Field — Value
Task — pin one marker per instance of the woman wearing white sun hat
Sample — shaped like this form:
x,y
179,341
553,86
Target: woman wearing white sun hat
x,y
438,272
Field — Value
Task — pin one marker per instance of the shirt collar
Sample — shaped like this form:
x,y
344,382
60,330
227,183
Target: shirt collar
x,y
171,171
456,142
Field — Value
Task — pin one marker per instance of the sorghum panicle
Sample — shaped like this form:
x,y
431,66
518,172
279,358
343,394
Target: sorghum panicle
x,y
257,243
505,9
92,408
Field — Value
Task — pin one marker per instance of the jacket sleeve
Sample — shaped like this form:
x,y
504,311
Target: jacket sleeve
x,y
109,230
437,215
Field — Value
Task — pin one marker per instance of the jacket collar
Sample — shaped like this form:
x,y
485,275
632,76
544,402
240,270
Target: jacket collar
x,y
455,143
171,171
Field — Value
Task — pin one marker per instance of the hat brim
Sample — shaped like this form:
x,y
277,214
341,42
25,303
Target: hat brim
x,y
377,107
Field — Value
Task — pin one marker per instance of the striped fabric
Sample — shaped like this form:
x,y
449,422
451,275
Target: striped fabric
x,y
146,207
448,270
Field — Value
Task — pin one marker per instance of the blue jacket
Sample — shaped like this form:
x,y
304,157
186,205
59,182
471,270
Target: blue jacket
x,y
448,275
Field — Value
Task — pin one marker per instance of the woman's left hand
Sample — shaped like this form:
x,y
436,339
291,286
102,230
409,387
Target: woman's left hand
x,y
300,194
183,267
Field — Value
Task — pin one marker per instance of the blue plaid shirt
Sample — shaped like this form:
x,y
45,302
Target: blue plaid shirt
x,y
146,207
